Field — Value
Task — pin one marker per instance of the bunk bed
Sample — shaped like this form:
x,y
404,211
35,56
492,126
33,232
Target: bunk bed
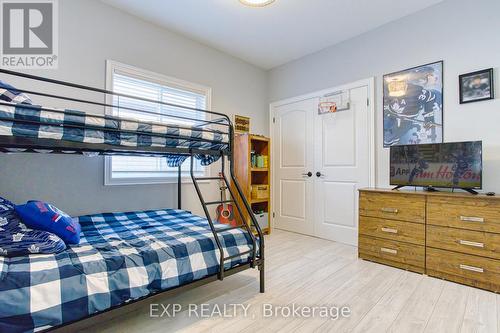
x,y
123,257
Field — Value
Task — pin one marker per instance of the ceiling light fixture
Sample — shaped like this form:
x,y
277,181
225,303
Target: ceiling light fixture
x,y
257,3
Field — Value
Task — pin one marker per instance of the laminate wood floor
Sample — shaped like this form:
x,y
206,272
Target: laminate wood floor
x,y
308,271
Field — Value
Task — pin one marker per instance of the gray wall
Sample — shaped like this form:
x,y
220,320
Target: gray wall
x,y
463,33
91,32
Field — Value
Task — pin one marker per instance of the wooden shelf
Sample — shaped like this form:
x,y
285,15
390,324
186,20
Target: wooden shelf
x,y
259,169
265,231
252,201
259,138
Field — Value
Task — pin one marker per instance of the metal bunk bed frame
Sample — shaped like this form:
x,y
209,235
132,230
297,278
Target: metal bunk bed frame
x,y
55,146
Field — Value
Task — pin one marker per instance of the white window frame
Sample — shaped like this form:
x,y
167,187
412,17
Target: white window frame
x,y
114,66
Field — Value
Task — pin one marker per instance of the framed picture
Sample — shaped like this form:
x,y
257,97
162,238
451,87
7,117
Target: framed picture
x,y
476,86
413,105
241,124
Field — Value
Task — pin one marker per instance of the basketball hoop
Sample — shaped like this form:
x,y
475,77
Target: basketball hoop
x,y
327,107
334,102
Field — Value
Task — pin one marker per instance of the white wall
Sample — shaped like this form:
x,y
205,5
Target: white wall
x,y
463,33
91,32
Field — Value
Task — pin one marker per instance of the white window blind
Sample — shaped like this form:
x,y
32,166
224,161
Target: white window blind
x,y
153,169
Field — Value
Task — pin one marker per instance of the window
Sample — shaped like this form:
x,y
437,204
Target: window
x,y
132,81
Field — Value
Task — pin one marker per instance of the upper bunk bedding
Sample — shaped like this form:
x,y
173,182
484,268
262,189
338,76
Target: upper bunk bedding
x,y
51,130
121,257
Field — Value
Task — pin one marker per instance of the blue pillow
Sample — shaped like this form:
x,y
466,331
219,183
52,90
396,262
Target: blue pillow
x,y
10,94
16,239
43,216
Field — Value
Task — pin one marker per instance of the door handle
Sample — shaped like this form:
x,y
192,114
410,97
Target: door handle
x,y
320,175
309,174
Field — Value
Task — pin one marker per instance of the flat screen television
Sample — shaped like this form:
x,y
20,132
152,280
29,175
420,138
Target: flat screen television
x,y
446,165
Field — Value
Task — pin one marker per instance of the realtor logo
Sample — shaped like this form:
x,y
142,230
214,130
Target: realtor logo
x,y
29,34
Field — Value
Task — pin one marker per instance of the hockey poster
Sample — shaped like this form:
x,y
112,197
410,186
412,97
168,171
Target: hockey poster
x,y
413,106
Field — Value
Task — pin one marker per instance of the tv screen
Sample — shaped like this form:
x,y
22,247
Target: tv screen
x,y
456,164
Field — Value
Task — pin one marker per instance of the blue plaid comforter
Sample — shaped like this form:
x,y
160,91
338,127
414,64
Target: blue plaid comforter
x,y
31,121
121,257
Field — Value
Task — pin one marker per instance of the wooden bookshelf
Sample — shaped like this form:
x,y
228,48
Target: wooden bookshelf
x,y
249,175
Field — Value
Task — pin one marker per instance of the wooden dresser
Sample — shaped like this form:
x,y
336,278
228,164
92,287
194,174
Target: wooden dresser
x,y
392,229
454,236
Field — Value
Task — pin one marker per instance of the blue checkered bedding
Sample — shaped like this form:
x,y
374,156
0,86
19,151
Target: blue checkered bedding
x,y
121,257
31,121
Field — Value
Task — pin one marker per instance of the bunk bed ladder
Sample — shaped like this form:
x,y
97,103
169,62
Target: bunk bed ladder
x,y
215,231
240,212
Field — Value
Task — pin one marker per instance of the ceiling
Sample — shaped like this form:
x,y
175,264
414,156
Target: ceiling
x,y
271,36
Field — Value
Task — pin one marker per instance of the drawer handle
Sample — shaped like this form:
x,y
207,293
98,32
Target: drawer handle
x,y
471,219
389,210
390,251
389,230
474,244
472,268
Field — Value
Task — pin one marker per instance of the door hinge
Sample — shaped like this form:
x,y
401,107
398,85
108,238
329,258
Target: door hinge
x,y
367,102
274,120
274,215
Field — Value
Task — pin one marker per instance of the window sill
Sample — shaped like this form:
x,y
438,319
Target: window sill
x,y
125,182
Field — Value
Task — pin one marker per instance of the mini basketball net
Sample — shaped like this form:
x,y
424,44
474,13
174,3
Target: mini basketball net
x,y
327,107
334,102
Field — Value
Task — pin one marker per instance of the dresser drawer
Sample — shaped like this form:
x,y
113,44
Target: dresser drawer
x,y
464,213
393,230
398,254
464,268
397,206
464,241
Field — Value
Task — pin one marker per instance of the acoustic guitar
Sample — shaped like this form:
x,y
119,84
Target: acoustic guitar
x,y
225,212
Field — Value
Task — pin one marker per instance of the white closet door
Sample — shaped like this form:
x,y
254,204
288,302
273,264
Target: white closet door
x,y
341,142
293,159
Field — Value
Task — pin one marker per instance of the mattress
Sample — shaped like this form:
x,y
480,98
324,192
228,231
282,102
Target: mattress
x,y
121,257
36,122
